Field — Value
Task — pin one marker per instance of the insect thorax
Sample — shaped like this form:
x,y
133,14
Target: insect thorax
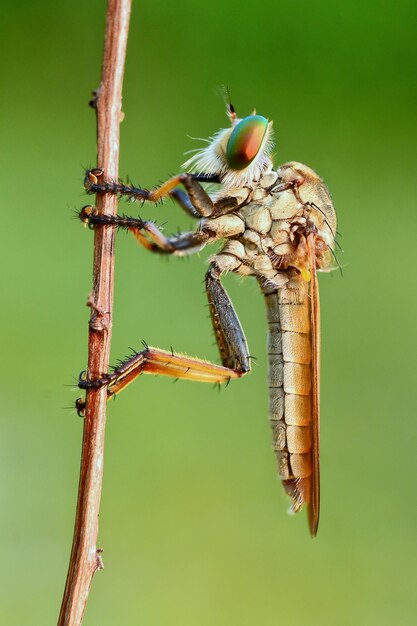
x,y
266,235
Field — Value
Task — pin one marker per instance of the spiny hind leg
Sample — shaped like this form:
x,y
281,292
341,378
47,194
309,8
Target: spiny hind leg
x,y
156,361
230,340
228,331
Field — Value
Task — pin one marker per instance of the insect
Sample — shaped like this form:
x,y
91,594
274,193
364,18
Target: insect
x,y
277,225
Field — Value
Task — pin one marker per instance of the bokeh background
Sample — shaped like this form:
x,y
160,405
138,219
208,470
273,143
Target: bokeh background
x,y
193,521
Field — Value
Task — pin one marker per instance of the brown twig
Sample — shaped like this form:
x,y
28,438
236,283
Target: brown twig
x,y
85,557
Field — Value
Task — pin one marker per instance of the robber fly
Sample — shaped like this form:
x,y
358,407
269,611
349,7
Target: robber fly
x,y
277,225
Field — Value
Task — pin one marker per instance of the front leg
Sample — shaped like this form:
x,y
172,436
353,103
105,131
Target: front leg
x,y
197,201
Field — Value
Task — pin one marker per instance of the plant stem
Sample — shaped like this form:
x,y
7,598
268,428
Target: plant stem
x,y
85,558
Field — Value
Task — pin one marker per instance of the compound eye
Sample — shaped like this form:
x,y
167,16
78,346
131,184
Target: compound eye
x,y
245,141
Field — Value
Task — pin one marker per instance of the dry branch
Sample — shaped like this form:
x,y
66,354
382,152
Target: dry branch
x,y
85,556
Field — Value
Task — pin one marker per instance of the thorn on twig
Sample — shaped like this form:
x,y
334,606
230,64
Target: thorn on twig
x,y
99,562
93,102
99,317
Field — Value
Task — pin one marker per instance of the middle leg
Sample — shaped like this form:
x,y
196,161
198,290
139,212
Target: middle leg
x,y
148,234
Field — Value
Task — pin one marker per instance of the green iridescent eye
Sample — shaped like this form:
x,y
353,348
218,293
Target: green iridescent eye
x,y
245,141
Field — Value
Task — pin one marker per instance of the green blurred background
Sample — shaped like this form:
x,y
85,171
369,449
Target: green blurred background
x,y
193,519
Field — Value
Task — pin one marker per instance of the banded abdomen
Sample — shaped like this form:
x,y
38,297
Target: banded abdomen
x,y
290,387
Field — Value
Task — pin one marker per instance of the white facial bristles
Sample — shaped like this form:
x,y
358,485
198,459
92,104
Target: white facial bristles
x,y
212,160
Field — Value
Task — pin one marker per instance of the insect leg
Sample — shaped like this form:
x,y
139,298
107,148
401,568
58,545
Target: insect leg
x,y
178,245
148,234
198,203
199,198
221,206
155,361
184,202
229,334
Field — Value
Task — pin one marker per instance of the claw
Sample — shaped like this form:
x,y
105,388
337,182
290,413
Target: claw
x,y
86,212
80,407
94,383
92,176
83,383
97,171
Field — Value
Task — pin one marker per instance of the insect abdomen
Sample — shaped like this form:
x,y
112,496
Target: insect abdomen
x,y
289,358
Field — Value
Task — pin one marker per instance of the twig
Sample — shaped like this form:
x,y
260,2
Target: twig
x,y
85,557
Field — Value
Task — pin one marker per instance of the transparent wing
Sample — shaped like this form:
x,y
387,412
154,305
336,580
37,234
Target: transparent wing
x,y
313,508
